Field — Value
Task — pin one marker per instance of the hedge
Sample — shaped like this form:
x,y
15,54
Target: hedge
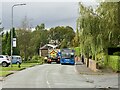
x,y
110,61
114,62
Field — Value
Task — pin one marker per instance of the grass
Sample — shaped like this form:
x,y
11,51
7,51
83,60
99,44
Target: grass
x,y
14,68
25,65
4,71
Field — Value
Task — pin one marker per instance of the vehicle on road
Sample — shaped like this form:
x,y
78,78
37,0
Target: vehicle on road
x,y
67,56
16,59
53,56
4,60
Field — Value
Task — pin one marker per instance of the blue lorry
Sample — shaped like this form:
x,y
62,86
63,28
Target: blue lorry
x,y
67,56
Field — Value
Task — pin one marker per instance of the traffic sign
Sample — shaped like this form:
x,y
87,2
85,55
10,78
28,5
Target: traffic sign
x,y
14,42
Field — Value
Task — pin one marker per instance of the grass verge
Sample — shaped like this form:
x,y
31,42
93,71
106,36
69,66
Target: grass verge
x,y
5,71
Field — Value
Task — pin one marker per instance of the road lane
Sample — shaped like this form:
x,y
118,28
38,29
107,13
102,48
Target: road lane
x,y
0,85
47,76
51,76
65,77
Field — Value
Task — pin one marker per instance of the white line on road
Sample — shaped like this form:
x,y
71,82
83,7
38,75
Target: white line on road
x,y
75,69
48,84
47,80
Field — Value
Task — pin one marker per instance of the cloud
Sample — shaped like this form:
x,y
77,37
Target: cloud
x,y
48,12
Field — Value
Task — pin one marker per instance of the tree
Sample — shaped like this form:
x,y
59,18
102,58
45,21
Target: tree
x,y
40,27
24,36
98,29
60,33
8,45
64,44
4,42
16,50
39,38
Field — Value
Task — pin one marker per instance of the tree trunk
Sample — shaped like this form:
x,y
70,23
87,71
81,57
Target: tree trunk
x,y
25,58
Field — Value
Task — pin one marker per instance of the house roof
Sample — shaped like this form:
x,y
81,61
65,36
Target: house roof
x,y
47,46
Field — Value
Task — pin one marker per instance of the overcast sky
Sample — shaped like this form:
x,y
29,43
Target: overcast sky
x,y
51,13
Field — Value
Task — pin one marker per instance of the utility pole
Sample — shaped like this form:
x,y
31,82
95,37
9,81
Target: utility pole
x,y
12,29
1,29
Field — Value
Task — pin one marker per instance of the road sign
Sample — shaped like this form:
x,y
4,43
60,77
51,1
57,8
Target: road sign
x,y
14,42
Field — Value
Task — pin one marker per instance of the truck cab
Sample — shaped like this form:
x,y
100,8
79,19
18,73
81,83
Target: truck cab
x,y
53,56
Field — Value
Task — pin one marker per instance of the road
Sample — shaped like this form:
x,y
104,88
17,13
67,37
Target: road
x,y
56,76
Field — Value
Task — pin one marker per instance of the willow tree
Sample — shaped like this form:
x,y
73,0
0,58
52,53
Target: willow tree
x,y
88,24
99,29
109,25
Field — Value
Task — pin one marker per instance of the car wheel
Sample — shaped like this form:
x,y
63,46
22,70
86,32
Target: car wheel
x,y
62,63
4,64
17,63
49,62
58,62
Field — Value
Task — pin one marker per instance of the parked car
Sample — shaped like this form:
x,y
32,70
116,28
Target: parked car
x,y
4,60
16,59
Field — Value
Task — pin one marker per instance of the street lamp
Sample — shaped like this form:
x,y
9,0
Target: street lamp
x,y
1,31
12,28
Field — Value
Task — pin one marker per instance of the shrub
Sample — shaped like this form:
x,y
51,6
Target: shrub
x,y
36,59
116,53
113,62
77,51
100,56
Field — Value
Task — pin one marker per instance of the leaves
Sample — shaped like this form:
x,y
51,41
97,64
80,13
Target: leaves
x,y
99,29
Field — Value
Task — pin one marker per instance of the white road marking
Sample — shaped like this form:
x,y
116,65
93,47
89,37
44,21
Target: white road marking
x,y
48,84
47,80
75,69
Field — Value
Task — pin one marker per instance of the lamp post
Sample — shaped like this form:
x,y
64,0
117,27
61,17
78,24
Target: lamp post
x,y
12,28
1,31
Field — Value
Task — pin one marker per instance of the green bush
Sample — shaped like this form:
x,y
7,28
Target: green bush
x,y
114,62
105,60
35,59
100,58
77,51
116,53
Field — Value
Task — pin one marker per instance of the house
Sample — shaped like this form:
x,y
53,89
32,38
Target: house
x,y
43,51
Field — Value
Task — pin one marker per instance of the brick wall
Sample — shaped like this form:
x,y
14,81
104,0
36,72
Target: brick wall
x,y
92,65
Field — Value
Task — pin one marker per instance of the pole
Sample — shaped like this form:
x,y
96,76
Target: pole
x,y
12,29
12,35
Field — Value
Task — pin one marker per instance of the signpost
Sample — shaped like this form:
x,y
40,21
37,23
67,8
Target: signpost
x,y
14,42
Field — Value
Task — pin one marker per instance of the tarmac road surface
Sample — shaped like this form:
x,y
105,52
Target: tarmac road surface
x,y
57,76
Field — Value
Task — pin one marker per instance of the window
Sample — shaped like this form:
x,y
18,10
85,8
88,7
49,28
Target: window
x,y
1,56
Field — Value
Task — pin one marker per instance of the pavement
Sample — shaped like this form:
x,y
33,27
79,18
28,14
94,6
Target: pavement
x,y
1,78
83,69
102,78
